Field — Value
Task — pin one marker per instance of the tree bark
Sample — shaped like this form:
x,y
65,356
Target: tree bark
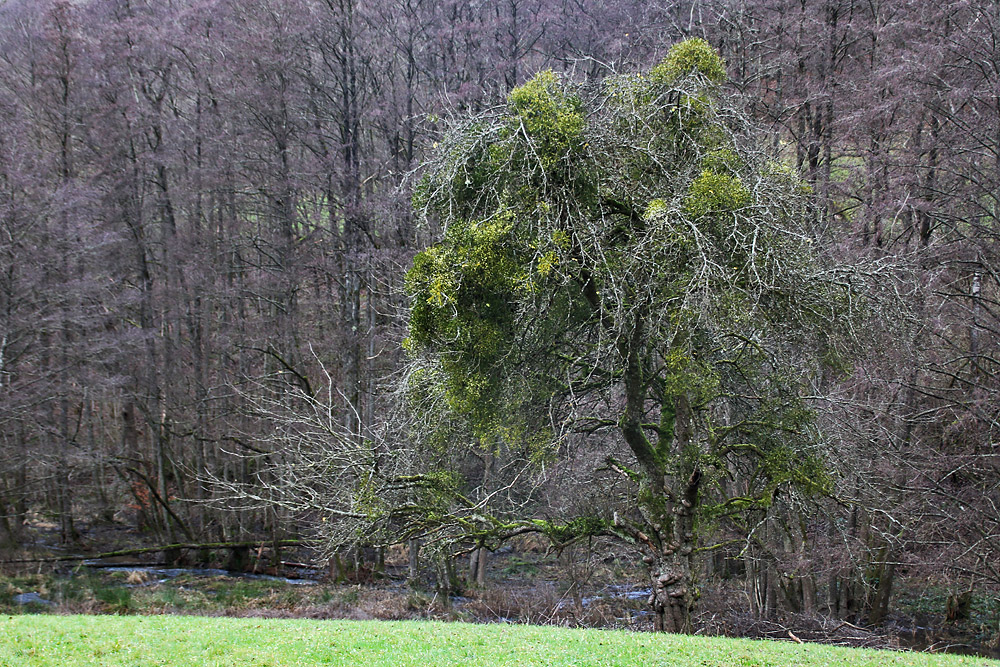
x,y
414,559
883,592
674,592
672,598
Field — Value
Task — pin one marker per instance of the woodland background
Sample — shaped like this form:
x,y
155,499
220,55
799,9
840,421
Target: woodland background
x,y
198,196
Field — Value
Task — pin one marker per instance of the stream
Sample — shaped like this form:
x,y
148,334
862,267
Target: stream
x,y
165,574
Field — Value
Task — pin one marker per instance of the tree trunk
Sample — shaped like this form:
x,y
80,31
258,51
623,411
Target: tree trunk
x,y
447,582
479,572
883,592
672,598
414,559
674,593
808,595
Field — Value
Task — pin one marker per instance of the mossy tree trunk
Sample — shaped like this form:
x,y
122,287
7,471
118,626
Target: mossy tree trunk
x,y
674,590
668,502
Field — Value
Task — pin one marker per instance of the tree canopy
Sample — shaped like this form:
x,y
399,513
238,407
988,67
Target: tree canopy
x,y
626,258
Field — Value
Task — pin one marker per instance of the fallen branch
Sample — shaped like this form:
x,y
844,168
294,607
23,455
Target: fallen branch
x,y
850,625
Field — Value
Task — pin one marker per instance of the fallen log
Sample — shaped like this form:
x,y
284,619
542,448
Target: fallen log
x,y
148,550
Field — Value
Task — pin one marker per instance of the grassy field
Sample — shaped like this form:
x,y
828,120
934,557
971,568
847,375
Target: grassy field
x,y
180,641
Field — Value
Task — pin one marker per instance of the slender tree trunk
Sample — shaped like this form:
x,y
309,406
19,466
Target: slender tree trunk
x,y
413,546
880,604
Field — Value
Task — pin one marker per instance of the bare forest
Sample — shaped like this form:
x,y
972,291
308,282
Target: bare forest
x,y
209,211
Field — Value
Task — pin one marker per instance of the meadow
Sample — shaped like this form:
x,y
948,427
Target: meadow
x,y
185,641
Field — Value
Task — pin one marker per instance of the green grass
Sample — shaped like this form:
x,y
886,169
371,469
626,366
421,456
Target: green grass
x,y
179,641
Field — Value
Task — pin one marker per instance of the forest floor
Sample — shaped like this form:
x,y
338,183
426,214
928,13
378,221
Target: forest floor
x,y
526,583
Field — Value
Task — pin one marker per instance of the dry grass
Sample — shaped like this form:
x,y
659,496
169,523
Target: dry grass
x,y
137,578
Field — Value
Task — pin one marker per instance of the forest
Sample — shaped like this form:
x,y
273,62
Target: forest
x,y
233,234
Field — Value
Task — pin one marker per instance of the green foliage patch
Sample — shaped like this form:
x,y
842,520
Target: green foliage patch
x,y
692,56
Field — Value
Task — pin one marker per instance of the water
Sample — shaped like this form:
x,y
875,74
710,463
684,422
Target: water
x,y
165,574
619,592
31,598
